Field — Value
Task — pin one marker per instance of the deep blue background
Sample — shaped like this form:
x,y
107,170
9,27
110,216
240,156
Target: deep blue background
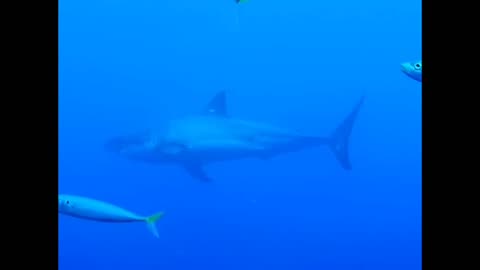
x,y
128,65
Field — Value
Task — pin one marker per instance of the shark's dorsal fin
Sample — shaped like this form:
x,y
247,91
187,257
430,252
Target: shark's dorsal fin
x,y
217,105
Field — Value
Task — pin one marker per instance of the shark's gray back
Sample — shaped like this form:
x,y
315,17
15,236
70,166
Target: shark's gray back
x,y
201,127
225,138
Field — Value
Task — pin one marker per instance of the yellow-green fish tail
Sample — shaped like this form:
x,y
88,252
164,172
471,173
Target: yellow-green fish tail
x,y
151,220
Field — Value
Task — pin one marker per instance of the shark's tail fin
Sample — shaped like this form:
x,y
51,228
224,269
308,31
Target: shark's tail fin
x,y
151,220
339,140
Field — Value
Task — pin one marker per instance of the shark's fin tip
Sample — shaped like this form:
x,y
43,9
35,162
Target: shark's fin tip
x,y
196,171
217,105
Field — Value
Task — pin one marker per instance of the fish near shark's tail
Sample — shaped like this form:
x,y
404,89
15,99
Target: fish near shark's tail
x,y
151,223
339,140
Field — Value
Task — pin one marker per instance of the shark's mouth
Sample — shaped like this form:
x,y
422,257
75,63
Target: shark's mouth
x,y
118,144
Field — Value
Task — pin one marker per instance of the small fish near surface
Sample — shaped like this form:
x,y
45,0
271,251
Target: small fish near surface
x,y
90,209
413,70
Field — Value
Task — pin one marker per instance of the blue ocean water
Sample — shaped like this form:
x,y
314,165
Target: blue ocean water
x,y
129,65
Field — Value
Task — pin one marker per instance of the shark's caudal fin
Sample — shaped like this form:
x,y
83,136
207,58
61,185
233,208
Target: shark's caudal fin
x,y
151,220
339,140
217,105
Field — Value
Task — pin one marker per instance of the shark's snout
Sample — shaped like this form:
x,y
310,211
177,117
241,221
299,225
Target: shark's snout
x,y
120,143
113,145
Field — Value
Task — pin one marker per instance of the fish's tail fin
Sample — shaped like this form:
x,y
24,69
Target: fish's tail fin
x,y
237,16
237,10
151,223
338,142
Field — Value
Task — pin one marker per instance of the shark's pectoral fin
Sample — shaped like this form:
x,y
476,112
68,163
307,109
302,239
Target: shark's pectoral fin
x,y
265,157
196,171
174,148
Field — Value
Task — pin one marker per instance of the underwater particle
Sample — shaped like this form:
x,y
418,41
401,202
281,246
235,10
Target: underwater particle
x,y
412,70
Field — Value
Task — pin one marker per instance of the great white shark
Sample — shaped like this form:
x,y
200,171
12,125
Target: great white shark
x,y
212,135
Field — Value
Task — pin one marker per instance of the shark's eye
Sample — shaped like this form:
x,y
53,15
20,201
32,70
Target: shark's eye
x,y
418,66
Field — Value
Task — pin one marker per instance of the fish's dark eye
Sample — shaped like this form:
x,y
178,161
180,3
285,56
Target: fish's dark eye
x,y
67,202
418,66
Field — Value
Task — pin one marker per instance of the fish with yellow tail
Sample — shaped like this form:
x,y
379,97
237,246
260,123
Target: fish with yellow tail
x,y
91,209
